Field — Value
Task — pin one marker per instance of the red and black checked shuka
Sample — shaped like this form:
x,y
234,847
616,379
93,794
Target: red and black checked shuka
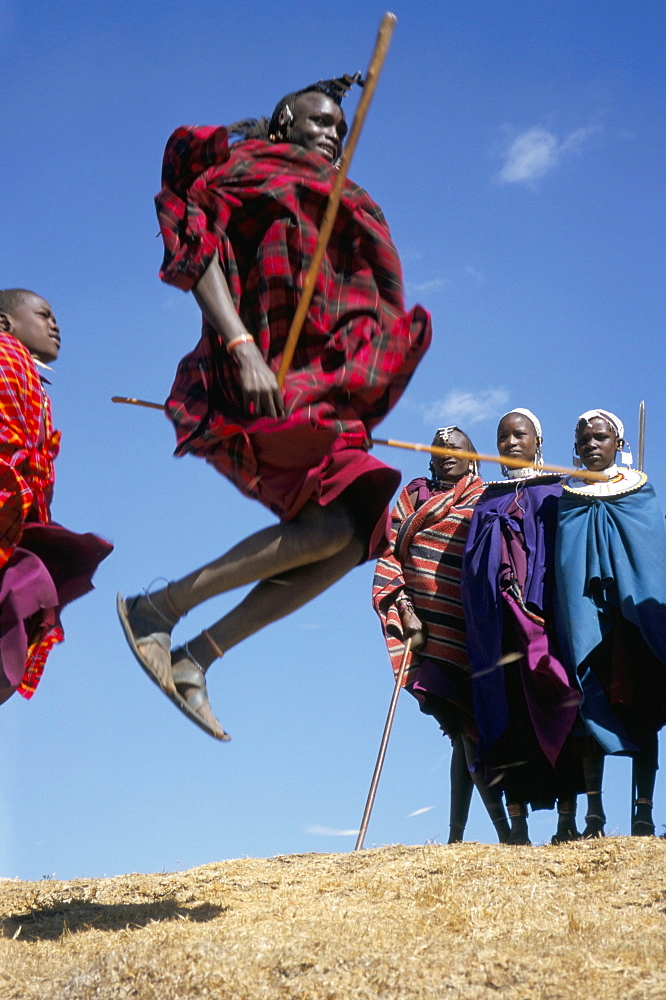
x,y
428,533
43,566
260,205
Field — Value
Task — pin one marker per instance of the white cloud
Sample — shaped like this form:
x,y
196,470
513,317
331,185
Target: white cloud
x,y
427,286
409,254
536,152
473,272
329,831
464,408
444,281
419,812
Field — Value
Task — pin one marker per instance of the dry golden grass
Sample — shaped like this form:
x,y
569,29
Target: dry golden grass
x,y
580,921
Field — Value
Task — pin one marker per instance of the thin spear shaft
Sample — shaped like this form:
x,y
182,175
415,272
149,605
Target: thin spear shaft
x,y
383,745
511,463
376,62
434,449
641,435
137,402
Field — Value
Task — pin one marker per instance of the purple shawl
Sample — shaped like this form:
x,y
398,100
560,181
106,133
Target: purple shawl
x,y
516,521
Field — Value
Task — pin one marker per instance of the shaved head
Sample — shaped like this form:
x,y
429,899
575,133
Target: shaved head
x,y
11,299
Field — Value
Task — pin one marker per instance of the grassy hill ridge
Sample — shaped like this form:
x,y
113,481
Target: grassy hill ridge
x,y
585,920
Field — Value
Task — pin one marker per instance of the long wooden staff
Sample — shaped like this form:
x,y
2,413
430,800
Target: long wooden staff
x,y
510,463
378,56
137,402
383,745
434,449
640,462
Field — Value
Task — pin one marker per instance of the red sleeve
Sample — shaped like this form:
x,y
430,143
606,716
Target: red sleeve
x,y
28,443
185,209
19,427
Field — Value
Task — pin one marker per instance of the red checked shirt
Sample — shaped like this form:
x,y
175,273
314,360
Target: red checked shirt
x,y
259,205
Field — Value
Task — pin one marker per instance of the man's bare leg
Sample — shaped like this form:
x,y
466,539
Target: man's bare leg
x,y
314,534
297,560
274,598
267,602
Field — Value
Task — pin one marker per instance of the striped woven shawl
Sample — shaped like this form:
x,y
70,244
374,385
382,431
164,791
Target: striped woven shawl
x,y
427,543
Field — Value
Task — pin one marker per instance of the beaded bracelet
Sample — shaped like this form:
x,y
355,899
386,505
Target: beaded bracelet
x,y
404,604
244,338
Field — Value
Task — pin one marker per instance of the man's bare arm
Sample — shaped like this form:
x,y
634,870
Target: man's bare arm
x,y
261,393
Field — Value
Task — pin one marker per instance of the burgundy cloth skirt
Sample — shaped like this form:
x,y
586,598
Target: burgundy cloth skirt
x,y
51,567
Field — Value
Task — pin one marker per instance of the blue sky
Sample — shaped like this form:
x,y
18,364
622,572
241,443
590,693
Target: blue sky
x,y
517,150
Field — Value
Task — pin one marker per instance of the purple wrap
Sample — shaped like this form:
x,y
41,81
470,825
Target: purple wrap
x,y
51,567
507,570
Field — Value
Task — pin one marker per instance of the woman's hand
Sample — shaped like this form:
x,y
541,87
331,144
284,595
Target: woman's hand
x,y
412,626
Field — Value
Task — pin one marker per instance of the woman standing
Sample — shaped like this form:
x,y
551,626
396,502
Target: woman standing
x,y
611,585
525,705
416,594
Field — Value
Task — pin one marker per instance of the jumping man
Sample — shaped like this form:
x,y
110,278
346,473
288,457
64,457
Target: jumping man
x,y
240,224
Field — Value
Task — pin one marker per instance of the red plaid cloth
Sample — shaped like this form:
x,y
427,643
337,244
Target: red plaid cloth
x,y
28,448
260,206
48,635
28,445
427,547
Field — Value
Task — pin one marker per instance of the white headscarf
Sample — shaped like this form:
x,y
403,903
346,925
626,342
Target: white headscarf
x,y
538,458
624,452
614,421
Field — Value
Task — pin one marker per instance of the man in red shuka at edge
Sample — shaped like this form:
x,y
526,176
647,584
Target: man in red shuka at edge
x,y
240,224
43,566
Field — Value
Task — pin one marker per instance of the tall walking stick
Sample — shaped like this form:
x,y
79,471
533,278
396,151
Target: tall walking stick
x,y
383,745
378,56
641,435
640,462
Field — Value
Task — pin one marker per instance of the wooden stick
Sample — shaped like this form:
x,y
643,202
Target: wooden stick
x,y
137,402
434,449
378,56
382,747
641,436
511,463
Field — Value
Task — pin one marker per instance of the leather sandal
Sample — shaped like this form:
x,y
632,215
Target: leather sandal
x,y
643,826
152,652
594,827
197,707
565,835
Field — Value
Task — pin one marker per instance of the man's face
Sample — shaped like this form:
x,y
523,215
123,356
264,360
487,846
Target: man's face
x,y
34,324
596,443
517,438
319,125
449,469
